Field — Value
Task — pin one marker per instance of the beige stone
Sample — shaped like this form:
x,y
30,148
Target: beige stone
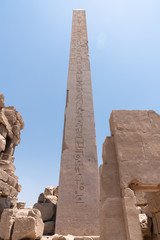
x,y
20,205
58,237
3,130
41,198
7,190
4,203
3,176
28,224
2,143
55,192
49,191
78,192
1,100
49,228
136,136
47,210
6,223
112,224
51,199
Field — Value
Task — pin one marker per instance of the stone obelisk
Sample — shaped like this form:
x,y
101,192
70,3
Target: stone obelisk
x,y
78,196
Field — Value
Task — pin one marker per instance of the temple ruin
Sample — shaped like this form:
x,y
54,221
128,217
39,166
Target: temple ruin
x,y
122,203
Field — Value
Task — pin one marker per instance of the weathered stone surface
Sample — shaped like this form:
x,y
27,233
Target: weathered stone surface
x,y
78,193
87,238
136,136
11,123
112,224
20,205
137,141
49,228
55,192
41,198
47,210
131,216
4,203
7,190
51,199
141,198
28,224
2,143
1,100
49,191
3,130
6,223
146,224
58,237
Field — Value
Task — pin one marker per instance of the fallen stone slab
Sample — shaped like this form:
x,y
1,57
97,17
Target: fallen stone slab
x,y
47,210
6,223
28,226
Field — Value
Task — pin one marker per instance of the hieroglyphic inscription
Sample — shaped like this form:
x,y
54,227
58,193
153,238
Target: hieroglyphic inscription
x,y
79,141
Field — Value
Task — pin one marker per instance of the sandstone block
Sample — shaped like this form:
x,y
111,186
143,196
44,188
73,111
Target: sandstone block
x,y
3,130
55,192
2,143
58,237
6,223
49,228
20,205
7,165
3,176
47,210
51,199
49,191
1,100
7,190
4,203
30,226
41,198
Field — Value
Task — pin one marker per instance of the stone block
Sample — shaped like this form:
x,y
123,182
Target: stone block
x,y
55,192
20,205
47,210
49,191
3,130
7,190
51,199
41,198
1,100
49,228
6,223
4,203
2,143
28,226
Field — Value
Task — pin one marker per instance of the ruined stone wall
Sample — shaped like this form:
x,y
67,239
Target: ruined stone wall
x,y
131,161
11,123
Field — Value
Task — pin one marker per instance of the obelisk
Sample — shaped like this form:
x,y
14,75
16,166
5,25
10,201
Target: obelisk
x,y
78,195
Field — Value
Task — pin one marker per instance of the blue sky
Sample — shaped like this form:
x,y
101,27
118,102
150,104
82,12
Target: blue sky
x,y
124,47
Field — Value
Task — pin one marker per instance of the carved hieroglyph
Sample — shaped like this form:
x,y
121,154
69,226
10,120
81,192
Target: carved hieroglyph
x,y
78,199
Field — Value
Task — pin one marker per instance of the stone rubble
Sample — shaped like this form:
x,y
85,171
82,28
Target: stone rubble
x,y
11,123
18,224
47,205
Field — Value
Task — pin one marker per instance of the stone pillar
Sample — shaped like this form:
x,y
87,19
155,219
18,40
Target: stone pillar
x,y
112,225
78,200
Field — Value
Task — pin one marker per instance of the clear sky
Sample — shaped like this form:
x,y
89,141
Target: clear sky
x,y
124,47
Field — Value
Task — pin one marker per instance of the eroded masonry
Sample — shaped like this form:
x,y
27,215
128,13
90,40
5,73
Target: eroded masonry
x,y
11,123
130,177
129,201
